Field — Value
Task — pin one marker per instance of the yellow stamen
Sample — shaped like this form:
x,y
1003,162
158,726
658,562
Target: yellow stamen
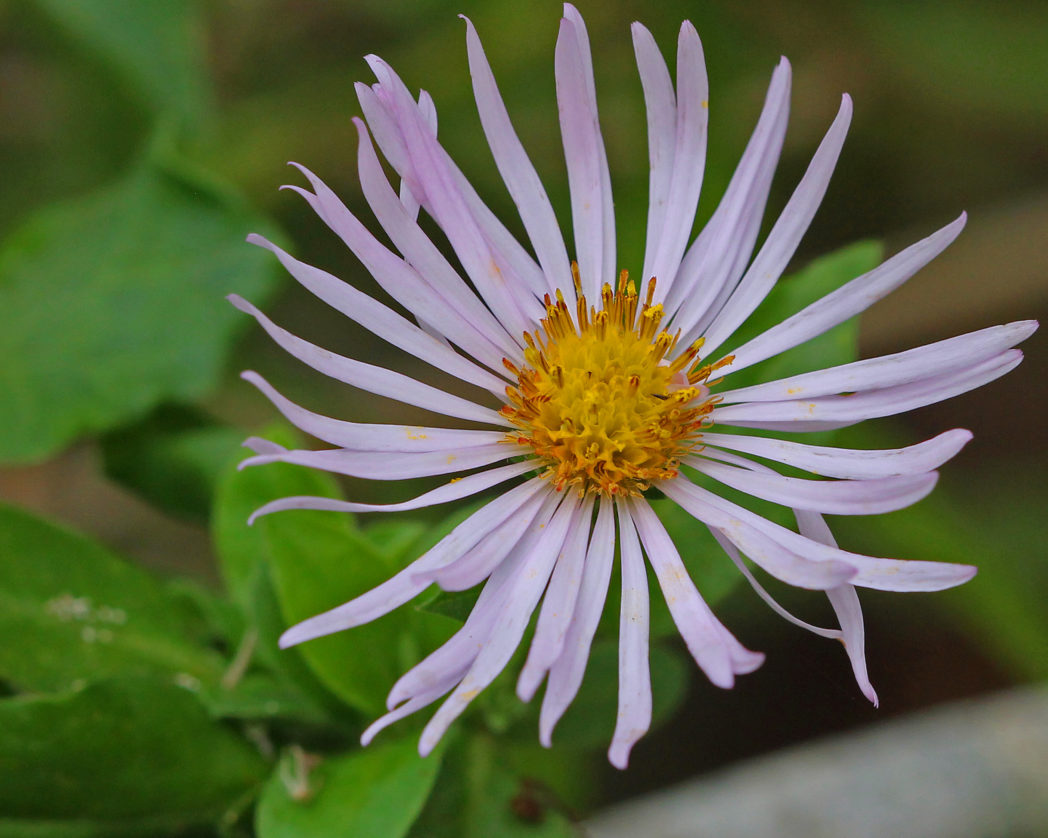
x,y
597,402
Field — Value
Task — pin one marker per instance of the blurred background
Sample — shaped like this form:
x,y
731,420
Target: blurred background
x,y
112,278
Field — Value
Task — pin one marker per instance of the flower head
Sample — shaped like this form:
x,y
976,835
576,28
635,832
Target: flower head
x,y
596,389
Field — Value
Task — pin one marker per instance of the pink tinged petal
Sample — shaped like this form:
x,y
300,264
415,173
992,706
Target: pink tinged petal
x,y
404,586
743,528
457,489
688,160
869,572
845,602
565,676
522,592
934,359
784,237
589,180
429,116
451,660
380,108
848,300
845,462
733,554
399,280
839,411
660,103
429,265
370,437
834,497
446,200
520,531
558,606
715,261
715,650
382,320
390,465
517,171
372,379
413,705
634,716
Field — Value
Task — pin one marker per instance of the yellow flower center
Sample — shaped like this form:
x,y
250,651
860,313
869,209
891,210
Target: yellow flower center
x,y
598,402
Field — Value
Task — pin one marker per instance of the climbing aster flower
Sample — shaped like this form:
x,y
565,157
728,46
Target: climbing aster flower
x,y
596,389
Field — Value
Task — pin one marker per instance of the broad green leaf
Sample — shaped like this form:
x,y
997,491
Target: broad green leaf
x,y
172,459
376,792
157,47
116,304
79,613
119,757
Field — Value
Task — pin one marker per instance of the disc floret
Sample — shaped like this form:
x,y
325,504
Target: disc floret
x,y
597,399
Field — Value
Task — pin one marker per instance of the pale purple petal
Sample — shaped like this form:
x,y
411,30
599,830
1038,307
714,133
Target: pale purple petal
x,y
477,335
382,320
784,237
457,489
634,715
714,648
588,177
523,529
390,465
446,200
689,157
381,382
523,590
371,437
835,497
934,359
565,676
845,602
739,524
404,586
838,411
846,462
847,301
785,562
558,605
660,104
424,256
517,171
716,260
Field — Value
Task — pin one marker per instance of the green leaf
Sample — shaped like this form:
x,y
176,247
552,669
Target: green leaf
x,y
118,304
377,792
157,47
454,604
118,757
80,613
480,796
172,459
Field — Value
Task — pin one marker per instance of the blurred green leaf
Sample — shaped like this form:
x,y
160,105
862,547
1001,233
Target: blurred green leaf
x,y
157,47
118,757
79,613
478,795
317,560
119,302
454,604
171,459
377,792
